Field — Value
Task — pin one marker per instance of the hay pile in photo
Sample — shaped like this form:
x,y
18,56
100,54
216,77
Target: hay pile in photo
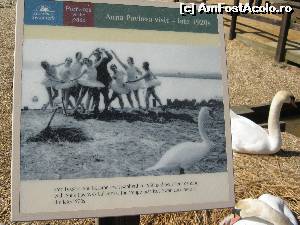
x,y
254,79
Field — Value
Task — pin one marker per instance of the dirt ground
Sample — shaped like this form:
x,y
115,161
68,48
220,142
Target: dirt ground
x,y
254,79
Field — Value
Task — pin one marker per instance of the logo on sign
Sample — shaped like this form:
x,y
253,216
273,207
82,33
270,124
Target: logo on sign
x,y
43,12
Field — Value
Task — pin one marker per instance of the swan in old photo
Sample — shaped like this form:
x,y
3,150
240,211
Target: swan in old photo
x,y
185,154
249,137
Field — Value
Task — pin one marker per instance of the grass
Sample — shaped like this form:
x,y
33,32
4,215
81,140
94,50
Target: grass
x,y
113,145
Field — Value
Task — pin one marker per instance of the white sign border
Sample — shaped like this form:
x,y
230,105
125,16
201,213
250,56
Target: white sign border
x,y
16,115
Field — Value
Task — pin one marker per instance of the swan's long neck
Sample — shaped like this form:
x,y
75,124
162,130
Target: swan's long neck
x,y
273,122
201,128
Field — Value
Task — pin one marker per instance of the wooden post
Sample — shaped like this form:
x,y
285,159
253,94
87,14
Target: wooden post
x,y
232,33
284,30
122,220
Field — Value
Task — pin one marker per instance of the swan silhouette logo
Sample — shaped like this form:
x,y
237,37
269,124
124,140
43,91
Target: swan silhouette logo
x,y
45,9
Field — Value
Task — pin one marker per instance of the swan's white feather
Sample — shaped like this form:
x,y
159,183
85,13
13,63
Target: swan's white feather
x,y
182,155
249,221
279,205
252,221
276,203
247,136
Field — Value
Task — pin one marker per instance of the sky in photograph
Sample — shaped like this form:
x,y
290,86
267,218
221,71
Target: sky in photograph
x,y
163,58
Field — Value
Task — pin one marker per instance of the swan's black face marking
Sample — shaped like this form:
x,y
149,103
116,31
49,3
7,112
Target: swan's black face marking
x,y
292,98
293,101
236,211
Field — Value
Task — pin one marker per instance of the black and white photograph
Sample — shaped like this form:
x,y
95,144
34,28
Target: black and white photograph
x,y
119,109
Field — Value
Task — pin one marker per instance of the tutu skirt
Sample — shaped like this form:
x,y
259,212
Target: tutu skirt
x,y
91,83
66,85
133,86
120,89
50,83
153,83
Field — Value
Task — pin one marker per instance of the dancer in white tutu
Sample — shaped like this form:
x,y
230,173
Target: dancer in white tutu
x,y
118,86
51,81
66,76
151,82
88,80
133,74
76,69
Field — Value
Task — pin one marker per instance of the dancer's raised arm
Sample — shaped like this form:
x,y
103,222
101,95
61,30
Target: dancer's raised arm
x,y
109,56
93,53
154,76
141,78
138,70
98,62
106,56
58,65
119,60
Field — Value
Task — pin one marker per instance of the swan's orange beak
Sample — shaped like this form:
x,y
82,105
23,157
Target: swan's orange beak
x,y
236,213
234,220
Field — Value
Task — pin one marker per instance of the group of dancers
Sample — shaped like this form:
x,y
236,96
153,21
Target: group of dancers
x,y
90,77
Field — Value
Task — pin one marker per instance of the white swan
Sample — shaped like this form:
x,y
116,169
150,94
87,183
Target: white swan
x,y
265,210
185,154
248,137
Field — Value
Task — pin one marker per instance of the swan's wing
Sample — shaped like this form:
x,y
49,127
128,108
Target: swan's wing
x,y
193,152
182,154
289,214
252,221
279,205
247,136
273,201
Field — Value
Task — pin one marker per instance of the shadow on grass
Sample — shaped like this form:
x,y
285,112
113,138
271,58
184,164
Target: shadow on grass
x,y
287,153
